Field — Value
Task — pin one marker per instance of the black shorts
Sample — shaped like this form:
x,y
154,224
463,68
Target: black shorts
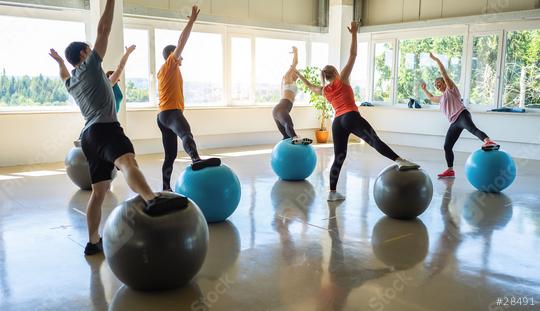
x,y
103,143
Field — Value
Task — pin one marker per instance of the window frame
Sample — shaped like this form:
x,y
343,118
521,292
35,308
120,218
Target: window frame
x,y
393,73
59,14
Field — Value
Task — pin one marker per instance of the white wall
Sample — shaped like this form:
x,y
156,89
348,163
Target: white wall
x,y
518,133
29,138
379,12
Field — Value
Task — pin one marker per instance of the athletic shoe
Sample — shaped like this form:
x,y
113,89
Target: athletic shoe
x,y
161,205
490,145
447,174
405,165
301,141
93,249
202,164
334,196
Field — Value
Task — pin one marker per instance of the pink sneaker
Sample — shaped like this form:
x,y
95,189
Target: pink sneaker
x,y
447,174
490,145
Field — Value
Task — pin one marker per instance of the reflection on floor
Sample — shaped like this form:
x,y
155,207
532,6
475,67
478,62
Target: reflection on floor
x,y
286,248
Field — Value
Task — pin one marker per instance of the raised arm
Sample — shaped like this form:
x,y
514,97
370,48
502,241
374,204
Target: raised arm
x,y
314,88
346,71
104,29
434,99
64,72
118,72
292,69
186,32
449,83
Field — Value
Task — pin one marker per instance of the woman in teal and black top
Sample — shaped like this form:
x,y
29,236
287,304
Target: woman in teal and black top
x,y
114,77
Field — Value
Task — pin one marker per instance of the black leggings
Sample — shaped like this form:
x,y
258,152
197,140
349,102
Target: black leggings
x,y
353,123
463,122
283,118
173,124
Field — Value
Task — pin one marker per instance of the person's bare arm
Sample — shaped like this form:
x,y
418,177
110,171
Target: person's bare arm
x,y
434,99
104,29
449,83
64,72
292,69
186,32
314,88
346,72
118,72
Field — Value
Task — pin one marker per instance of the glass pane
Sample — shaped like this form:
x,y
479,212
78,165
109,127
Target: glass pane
x,y
382,86
484,70
415,65
240,69
319,54
360,75
522,69
29,77
202,66
137,68
273,59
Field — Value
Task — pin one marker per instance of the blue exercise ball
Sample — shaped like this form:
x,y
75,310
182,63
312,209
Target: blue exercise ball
x,y
216,190
293,162
490,171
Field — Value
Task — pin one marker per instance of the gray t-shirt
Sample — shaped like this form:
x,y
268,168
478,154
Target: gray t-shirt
x,y
92,91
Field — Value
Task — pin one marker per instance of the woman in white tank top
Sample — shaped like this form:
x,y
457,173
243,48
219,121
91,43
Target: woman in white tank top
x,y
281,111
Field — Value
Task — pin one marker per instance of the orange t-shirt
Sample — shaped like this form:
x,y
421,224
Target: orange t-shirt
x,y
341,96
170,85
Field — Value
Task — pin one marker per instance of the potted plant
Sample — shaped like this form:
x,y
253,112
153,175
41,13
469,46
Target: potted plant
x,y
323,107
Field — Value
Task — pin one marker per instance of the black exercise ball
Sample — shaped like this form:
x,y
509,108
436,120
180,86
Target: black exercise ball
x,y
402,194
151,253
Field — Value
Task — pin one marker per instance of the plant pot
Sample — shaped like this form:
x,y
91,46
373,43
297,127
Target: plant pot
x,y
321,136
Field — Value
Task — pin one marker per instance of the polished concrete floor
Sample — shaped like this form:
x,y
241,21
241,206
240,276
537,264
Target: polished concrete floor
x,y
286,248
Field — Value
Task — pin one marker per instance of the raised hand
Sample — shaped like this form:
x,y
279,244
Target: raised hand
x,y
194,13
130,49
423,86
433,57
56,56
354,27
294,50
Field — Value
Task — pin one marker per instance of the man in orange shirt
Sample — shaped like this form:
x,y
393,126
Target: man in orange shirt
x,y
171,120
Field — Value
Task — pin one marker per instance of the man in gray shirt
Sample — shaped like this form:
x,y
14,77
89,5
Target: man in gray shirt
x,y
103,140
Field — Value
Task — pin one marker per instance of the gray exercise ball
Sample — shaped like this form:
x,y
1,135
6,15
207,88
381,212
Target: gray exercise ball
x,y
151,253
78,170
402,194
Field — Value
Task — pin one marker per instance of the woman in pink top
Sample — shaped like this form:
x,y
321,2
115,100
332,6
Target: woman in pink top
x,y
459,117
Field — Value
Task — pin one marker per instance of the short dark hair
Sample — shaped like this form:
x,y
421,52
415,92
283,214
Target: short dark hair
x,y
168,50
73,52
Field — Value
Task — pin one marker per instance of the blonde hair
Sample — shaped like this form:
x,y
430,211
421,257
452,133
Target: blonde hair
x,y
328,73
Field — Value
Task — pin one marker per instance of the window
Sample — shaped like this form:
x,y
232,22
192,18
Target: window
x,y
29,78
137,68
382,86
240,69
273,59
484,70
522,69
359,75
202,66
415,65
319,54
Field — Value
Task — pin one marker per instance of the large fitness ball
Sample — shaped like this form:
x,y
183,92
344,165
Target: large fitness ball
x,y
216,190
402,194
293,162
78,170
151,253
490,171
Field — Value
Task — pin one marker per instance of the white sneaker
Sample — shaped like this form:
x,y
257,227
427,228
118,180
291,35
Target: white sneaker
x,y
405,165
334,196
